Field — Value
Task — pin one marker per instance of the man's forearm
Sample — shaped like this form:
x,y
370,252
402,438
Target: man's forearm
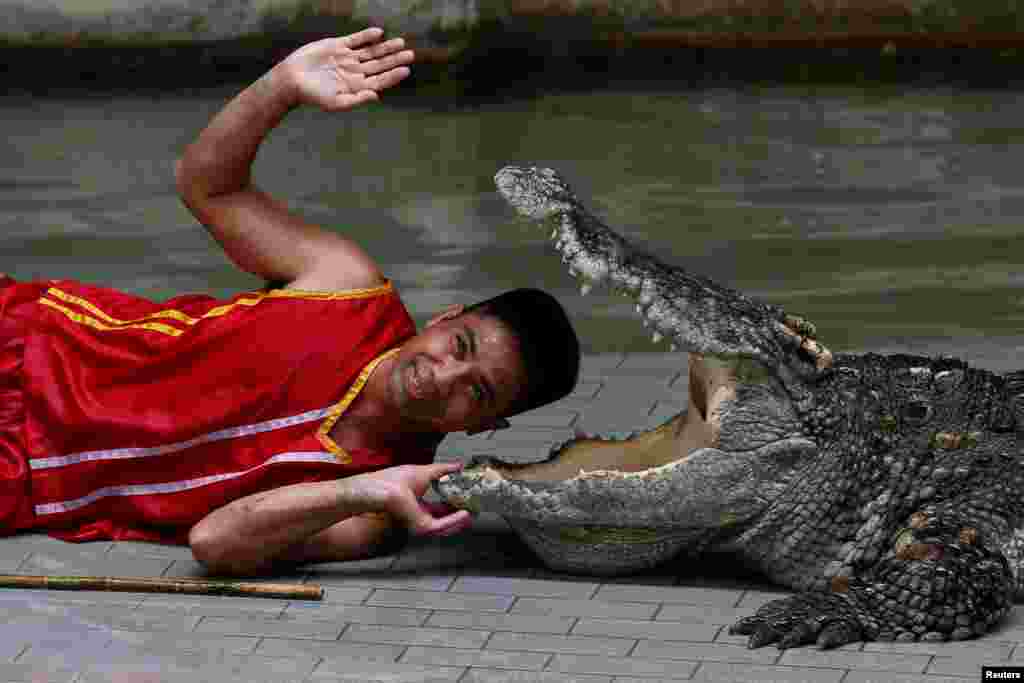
x,y
214,180
220,160
249,533
262,235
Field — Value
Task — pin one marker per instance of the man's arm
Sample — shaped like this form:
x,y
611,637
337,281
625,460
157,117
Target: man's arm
x,y
344,519
214,180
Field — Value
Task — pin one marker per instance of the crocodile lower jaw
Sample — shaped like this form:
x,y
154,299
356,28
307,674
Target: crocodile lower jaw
x,y
712,383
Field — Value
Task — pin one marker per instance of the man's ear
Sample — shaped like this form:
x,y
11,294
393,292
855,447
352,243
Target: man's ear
x,y
498,423
446,314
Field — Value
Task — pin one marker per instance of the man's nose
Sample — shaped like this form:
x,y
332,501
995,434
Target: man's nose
x,y
450,373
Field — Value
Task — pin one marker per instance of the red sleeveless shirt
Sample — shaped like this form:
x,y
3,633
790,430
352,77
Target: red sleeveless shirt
x,y
139,418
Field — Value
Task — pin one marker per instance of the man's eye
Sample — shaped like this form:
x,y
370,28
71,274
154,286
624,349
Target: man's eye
x,y
461,345
478,393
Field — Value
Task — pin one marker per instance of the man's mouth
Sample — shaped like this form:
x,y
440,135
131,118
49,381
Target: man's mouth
x,y
419,381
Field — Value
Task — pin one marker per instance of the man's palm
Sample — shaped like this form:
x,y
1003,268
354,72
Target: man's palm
x,y
341,73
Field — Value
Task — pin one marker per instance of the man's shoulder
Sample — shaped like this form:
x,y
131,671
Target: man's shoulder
x,y
339,290
351,274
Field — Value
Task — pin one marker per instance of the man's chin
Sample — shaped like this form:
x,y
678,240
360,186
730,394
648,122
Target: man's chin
x,y
419,411
423,412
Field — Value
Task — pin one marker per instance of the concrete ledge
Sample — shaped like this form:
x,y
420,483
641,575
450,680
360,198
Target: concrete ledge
x,y
471,49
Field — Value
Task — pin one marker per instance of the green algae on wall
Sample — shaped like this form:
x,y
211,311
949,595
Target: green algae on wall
x,y
174,20
493,47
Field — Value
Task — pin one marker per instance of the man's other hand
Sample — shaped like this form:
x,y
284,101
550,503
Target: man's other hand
x,y
336,74
399,490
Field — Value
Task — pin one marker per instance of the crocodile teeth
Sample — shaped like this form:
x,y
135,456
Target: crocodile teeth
x,y
656,337
585,289
673,347
554,233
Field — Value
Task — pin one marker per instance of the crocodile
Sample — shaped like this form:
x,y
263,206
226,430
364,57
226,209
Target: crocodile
x,y
887,491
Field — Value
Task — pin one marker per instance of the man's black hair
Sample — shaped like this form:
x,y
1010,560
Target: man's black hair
x,y
547,343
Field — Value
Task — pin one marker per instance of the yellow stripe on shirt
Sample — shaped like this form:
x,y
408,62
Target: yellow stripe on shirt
x,y
365,293
323,434
102,320
166,313
100,325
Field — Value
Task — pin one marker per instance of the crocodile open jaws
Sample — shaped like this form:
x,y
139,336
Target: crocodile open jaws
x,y
889,488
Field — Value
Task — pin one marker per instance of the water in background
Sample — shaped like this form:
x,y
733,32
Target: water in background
x,y
892,219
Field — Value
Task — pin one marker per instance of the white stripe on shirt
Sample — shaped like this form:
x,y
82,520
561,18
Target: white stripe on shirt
x,y
219,435
175,486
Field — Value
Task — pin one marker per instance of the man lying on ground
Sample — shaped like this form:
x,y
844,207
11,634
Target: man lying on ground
x,y
289,425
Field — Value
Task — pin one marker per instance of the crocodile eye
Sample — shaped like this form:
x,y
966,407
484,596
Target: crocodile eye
x,y
917,412
947,380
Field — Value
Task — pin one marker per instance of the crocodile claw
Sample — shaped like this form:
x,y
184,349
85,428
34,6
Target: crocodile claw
x,y
825,620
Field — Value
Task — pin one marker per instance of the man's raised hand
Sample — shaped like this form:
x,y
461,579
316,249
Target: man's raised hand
x,y
342,73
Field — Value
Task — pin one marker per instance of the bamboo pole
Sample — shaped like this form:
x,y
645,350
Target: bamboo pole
x,y
289,591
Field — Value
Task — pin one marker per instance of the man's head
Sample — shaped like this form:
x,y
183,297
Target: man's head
x,y
472,367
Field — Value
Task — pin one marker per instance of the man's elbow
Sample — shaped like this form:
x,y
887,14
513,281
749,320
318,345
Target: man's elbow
x,y
213,554
183,183
180,176
188,179
218,556
204,549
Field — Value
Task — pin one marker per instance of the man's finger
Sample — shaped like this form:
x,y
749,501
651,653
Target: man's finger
x,y
362,37
380,50
452,524
388,78
386,63
437,510
442,468
421,517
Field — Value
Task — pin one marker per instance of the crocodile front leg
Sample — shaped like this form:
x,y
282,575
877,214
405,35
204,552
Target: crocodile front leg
x,y
943,578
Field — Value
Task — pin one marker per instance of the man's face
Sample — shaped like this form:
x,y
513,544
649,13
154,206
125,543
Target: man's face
x,y
460,373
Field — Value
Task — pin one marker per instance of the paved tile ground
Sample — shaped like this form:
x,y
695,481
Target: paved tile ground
x,y
477,608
